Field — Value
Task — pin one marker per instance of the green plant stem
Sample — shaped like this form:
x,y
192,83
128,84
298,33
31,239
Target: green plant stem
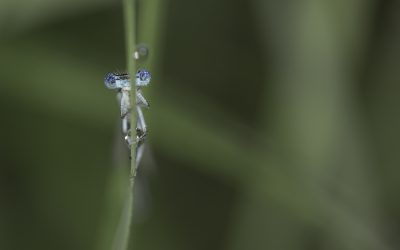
x,y
121,240
130,36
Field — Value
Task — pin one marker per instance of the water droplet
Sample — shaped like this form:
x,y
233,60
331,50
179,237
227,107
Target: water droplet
x,y
141,53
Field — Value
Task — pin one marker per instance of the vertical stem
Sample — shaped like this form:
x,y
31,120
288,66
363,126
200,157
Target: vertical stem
x,y
121,240
130,36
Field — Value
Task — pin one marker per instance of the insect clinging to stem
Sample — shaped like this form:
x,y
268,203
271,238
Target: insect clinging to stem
x,y
122,83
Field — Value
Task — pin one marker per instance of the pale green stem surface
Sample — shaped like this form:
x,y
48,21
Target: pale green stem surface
x,y
130,37
121,240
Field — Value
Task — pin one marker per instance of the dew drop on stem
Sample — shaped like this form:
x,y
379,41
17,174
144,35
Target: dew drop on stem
x,y
141,53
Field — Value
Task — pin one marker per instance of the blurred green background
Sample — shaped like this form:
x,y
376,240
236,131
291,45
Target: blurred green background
x,y
273,125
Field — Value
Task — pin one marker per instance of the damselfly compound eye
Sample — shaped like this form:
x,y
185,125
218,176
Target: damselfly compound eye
x,y
109,81
143,77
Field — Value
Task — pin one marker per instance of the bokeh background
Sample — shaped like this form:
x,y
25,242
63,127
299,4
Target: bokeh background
x,y
273,125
